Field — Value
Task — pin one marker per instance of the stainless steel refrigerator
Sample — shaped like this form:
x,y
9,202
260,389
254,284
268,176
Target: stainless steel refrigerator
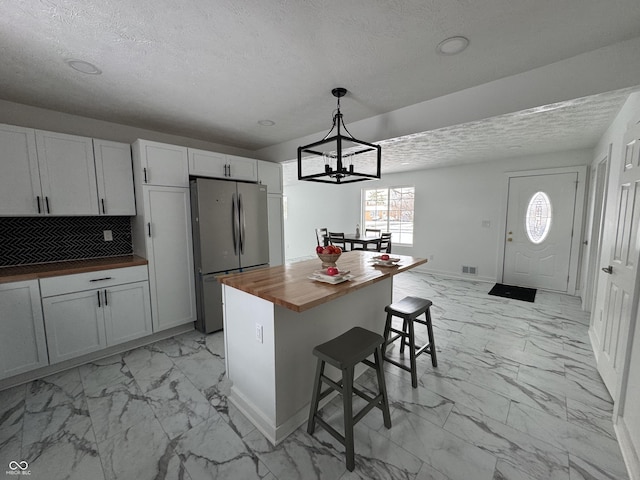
x,y
230,234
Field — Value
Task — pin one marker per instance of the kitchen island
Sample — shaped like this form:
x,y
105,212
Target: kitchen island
x,y
274,317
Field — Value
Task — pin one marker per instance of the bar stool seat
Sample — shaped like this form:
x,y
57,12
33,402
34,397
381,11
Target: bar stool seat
x,y
409,308
345,352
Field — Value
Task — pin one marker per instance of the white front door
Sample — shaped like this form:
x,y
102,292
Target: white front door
x,y
620,306
540,213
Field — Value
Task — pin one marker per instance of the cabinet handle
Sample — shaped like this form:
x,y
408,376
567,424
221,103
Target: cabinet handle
x,y
38,199
106,299
102,200
99,304
149,228
46,199
229,169
145,174
100,279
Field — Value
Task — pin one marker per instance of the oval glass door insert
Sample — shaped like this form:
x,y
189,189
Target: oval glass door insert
x,y
538,218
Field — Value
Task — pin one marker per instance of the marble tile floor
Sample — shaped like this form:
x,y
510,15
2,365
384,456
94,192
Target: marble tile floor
x,y
515,396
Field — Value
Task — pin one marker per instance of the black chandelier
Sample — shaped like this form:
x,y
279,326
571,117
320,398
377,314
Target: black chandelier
x,y
340,158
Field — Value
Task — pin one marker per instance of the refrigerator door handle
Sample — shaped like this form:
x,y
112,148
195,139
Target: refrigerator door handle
x,y
234,218
243,222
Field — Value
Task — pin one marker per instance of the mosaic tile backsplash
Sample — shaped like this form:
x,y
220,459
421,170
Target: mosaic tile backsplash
x,y
32,240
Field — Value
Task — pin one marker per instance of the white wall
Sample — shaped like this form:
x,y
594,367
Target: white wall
x,y
450,206
33,117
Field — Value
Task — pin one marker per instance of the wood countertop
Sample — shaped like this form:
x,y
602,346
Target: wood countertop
x,y
34,272
289,285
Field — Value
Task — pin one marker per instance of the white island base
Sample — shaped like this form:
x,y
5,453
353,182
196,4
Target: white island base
x,y
273,377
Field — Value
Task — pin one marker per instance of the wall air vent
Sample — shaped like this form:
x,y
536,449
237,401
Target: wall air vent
x,y
469,270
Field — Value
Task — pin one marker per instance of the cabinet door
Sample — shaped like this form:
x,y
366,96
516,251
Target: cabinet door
x,y
241,168
160,164
167,212
74,324
114,176
127,312
19,177
270,174
67,174
207,164
276,235
22,341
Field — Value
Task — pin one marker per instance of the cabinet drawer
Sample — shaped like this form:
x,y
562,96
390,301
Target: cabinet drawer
x,y
92,280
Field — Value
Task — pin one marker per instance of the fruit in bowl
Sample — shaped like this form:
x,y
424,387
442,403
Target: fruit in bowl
x,y
329,255
384,257
332,271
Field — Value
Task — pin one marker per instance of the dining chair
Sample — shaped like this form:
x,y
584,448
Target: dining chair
x,y
385,243
320,234
369,232
337,239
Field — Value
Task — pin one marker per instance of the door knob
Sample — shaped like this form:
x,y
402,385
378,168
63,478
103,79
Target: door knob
x,y
509,239
608,269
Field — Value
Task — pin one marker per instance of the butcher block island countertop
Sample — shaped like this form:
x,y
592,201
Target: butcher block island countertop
x,y
289,285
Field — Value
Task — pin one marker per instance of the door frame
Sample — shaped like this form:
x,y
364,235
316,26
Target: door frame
x,y
598,212
576,242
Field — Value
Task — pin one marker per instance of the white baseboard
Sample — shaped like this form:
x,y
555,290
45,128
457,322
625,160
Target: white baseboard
x,y
629,452
91,357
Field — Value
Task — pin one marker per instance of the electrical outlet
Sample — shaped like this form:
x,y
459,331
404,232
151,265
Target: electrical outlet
x,y
108,235
431,257
259,333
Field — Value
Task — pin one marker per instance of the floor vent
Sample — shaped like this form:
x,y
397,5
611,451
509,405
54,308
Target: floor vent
x,y
469,270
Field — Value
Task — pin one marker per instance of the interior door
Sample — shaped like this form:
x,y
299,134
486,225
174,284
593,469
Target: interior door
x,y
621,297
540,212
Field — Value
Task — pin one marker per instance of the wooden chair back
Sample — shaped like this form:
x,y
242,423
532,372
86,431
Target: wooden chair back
x,y
385,243
320,234
337,239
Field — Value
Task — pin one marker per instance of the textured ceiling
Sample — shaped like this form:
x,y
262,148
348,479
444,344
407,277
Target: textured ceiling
x,y
211,69
570,125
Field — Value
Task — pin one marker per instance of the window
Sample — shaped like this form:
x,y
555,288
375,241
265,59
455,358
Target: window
x,y
538,217
390,210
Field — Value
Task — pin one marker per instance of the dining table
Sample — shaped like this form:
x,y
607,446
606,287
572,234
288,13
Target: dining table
x,y
364,240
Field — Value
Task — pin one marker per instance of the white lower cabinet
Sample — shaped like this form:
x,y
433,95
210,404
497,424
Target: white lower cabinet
x,y
127,312
23,345
75,325
81,322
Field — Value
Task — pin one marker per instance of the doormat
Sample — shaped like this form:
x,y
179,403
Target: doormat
x,y
510,291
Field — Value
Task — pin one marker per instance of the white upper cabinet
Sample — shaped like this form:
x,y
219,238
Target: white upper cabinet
x,y
20,189
270,174
203,163
114,176
67,174
241,168
160,164
207,164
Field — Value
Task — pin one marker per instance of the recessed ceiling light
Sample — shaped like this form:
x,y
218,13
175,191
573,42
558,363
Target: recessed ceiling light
x,y
83,67
452,45
405,163
266,123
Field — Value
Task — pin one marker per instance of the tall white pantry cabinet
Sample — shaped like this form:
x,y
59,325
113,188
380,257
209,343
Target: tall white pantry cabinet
x,y
162,230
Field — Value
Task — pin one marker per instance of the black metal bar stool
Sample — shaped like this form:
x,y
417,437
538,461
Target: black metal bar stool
x,y
408,309
345,352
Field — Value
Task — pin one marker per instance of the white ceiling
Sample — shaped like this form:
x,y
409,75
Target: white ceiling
x,y
211,69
